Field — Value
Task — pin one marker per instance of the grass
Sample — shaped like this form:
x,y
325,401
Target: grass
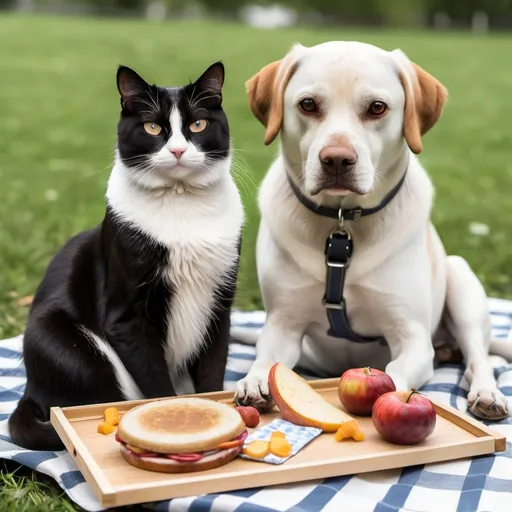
x,y
21,490
59,108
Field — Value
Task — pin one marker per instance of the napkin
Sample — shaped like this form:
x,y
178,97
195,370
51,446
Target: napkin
x,y
296,435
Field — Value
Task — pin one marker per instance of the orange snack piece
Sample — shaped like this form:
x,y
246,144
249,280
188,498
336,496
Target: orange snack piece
x,y
279,434
280,446
111,416
106,428
350,429
230,444
257,449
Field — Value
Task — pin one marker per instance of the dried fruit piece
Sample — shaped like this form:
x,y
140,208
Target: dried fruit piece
x,y
250,415
278,433
280,447
350,429
111,416
106,428
257,449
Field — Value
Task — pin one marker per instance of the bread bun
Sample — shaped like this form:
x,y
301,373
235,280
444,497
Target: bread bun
x,y
180,425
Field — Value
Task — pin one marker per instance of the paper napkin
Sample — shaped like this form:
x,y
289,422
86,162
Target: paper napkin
x,y
296,435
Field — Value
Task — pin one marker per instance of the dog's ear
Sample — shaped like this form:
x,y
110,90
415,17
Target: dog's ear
x,y
425,97
266,94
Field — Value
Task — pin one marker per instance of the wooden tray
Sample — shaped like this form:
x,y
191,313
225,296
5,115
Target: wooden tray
x,y
116,483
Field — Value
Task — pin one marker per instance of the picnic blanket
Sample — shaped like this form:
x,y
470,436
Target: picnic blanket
x,y
482,484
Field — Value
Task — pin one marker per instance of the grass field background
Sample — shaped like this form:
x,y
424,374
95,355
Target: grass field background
x,y
59,108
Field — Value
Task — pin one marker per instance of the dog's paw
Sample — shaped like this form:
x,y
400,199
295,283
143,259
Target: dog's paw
x,y
488,404
254,390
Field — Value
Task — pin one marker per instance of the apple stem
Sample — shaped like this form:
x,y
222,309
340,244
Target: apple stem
x,y
413,391
367,370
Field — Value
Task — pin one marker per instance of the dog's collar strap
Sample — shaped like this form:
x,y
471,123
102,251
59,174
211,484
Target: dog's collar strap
x,y
338,251
336,213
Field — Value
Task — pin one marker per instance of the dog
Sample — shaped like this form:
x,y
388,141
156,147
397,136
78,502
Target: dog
x,y
347,185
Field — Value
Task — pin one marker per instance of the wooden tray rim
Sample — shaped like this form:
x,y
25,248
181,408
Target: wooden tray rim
x,y
62,419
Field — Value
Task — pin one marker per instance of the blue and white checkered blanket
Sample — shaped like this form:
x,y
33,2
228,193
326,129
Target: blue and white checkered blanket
x,y
481,484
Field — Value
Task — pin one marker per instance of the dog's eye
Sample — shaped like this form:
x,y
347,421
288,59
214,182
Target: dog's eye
x,y
308,105
377,108
152,128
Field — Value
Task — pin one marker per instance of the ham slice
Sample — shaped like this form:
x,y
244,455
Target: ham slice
x,y
184,457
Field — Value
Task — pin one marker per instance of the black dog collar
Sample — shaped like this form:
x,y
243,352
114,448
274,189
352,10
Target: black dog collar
x,y
340,213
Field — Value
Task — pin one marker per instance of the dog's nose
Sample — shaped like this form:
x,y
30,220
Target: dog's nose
x,y
338,159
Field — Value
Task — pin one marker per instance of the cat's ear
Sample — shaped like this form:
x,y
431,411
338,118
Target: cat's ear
x,y
130,85
212,80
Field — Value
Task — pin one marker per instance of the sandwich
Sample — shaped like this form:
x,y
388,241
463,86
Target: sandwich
x,y
181,435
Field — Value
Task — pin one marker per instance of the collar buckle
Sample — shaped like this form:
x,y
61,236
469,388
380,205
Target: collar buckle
x,y
336,264
332,305
338,249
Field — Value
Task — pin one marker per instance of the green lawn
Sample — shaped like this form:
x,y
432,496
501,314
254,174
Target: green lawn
x,y
59,108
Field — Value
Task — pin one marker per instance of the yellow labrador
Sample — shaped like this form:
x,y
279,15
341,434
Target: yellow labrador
x,y
351,118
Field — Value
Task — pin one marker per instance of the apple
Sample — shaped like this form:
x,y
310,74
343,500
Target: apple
x,y
359,388
404,417
300,404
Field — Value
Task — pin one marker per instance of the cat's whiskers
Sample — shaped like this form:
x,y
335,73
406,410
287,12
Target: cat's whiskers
x,y
194,98
134,158
154,109
136,181
240,171
233,150
150,112
189,99
95,173
155,103
243,176
201,97
138,172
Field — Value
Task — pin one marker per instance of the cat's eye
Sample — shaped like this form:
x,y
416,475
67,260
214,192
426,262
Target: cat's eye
x,y
198,126
153,128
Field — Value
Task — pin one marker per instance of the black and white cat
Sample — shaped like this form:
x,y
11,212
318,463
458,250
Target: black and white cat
x,y
139,307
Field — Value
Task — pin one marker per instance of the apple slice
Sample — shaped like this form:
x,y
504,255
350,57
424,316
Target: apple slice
x,y
300,404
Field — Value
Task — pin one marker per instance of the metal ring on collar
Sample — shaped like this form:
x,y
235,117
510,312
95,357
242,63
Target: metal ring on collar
x,y
341,219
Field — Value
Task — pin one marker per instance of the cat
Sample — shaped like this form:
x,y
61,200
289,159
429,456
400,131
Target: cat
x,y
139,306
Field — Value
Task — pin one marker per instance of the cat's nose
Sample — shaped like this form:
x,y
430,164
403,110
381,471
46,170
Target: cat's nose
x,y
177,152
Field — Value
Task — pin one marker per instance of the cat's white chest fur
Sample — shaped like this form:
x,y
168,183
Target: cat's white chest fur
x,y
201,231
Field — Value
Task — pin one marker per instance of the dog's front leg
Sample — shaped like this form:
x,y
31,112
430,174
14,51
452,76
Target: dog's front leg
x,y
412,354
280,342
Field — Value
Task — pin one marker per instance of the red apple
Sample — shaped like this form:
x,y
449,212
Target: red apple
x,y
359,388
404,417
